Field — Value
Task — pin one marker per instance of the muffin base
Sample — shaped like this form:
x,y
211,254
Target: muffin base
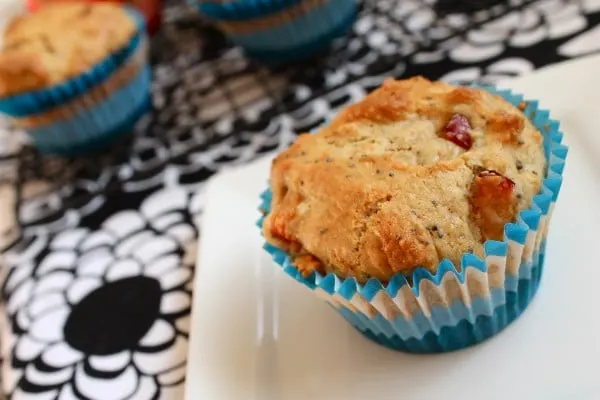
x,y
99,126
309,49
464,334
100,142
278,32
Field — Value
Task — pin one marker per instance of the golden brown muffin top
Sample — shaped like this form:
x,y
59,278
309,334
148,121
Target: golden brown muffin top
x,y
416,172
58,42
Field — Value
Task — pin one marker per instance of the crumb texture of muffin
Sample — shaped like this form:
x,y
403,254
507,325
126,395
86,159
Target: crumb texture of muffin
x,y
416,172
59,42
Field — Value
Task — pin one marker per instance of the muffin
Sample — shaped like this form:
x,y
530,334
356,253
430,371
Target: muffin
x,y
151,9
277,31
75,75
420,212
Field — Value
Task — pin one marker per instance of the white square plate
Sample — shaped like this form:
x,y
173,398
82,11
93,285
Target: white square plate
x,y
257,334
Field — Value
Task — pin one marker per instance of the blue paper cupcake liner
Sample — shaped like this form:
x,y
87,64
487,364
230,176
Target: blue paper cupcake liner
x,y
289,34
452,309
86,124
97,126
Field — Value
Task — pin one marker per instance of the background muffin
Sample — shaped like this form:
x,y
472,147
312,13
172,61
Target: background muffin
x,y
75,75
151,9
278,30
446,186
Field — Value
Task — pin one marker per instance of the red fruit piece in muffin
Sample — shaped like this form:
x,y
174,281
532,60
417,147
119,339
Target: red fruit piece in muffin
x,y
493,203
457,130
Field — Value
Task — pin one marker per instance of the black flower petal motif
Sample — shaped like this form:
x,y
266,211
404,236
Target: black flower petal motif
x,y
105,314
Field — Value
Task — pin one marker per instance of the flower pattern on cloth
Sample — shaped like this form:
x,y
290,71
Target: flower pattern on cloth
x,y
104,314
97,290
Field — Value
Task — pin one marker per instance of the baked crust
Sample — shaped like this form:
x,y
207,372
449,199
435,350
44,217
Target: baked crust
x,y
388,187
59,42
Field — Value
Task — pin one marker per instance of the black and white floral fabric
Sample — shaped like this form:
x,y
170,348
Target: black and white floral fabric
x,y
97,289
104,313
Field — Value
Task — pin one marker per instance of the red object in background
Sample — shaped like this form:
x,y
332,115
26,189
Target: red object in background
x,y
150,8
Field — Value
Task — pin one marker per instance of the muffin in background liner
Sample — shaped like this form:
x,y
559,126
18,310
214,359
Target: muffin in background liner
x,y
151,9
452,310
91,110
277,31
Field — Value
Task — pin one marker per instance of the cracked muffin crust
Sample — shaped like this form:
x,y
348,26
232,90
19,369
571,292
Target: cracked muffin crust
x,y
416,172
60,41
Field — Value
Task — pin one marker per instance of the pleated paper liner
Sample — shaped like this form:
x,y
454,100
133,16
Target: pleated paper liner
x,y
91,110
279,31
452,309
94,127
